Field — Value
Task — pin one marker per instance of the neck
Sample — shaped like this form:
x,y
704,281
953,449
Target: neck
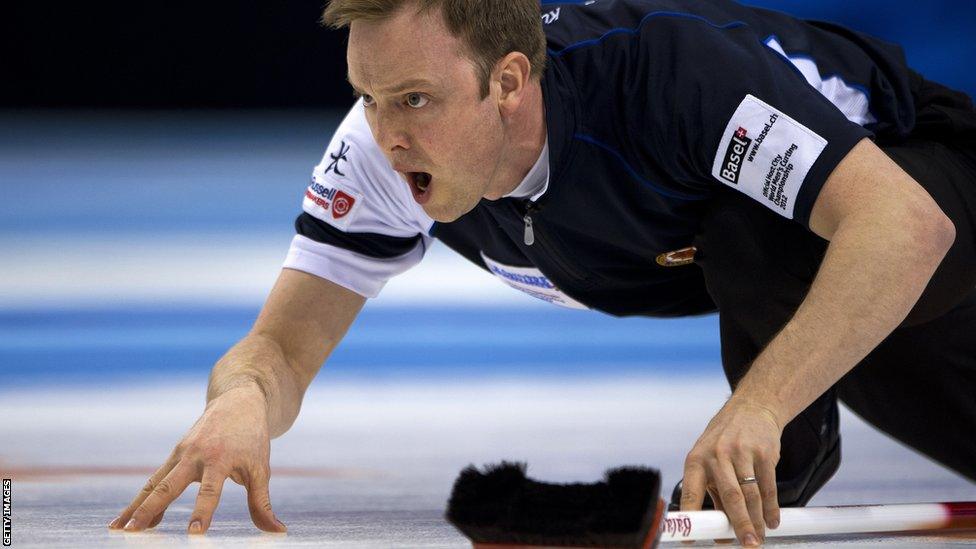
x,y
525,138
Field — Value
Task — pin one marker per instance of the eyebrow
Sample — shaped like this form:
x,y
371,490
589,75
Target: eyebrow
x,y
402,86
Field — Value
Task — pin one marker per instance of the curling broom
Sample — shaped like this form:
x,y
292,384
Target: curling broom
x,y
501,507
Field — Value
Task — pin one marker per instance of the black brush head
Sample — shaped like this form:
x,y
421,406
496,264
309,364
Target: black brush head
x,y
501,505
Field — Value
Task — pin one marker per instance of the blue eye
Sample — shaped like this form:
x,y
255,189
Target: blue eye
x,y
416,100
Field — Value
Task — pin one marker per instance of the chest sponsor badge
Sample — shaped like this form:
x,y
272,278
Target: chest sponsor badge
x,y
330,204
766,155
531,281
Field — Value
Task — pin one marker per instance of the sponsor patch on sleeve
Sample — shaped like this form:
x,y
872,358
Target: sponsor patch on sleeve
x,y
766,155
331,204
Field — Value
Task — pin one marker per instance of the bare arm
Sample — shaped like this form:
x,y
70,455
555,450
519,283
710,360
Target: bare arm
x,y
302,321
887,237
255,393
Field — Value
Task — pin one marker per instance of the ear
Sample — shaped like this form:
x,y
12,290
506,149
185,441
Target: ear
x,y
512,74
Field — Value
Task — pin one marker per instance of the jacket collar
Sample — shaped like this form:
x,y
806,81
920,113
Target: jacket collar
x,y
562,115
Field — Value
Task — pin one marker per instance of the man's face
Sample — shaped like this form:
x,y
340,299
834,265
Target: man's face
x,y
423,105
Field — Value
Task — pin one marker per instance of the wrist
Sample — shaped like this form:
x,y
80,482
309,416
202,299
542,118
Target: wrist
x,y
764,406
246,388
257,368
779,378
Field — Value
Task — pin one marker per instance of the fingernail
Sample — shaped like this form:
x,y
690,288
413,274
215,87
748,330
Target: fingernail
x,y
115,522
130,525
774,524
750,541
281,524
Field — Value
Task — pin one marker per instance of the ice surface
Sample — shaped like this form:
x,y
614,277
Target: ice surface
x,y
371,465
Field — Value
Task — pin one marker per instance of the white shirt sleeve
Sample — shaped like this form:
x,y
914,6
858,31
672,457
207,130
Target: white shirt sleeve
x,y
355,190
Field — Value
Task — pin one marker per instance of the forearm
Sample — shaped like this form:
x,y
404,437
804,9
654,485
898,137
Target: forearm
x,y
257,363
875,269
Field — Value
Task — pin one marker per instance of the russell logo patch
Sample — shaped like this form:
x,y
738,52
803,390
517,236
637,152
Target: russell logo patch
x,y
330,204
767,155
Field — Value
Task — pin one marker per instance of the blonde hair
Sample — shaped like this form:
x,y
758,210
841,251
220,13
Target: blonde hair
x,y
491,29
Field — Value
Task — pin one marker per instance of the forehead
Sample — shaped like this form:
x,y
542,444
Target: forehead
x,y
405,46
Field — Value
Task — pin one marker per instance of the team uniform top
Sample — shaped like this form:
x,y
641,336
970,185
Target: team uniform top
x,y
652,107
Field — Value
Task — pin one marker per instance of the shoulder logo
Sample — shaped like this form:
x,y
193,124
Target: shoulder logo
x,y
330,204
338,157
551,16
766,154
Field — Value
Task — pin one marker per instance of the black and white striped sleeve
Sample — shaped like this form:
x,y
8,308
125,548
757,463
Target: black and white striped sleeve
x,y
360,225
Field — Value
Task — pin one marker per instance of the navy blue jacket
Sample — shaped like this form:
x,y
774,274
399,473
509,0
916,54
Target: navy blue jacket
x,y
638,94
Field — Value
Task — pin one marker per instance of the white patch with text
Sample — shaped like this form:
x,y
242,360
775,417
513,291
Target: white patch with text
x,y
767,155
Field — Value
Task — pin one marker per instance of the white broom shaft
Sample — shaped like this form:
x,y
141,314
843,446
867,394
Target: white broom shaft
x,y
807,521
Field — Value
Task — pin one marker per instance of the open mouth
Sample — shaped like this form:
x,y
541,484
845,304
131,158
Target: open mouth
x,y
420,185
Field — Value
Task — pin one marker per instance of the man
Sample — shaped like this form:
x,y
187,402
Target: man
x,y
662,158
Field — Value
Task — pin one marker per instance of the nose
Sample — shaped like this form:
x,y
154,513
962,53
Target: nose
x,y
389,130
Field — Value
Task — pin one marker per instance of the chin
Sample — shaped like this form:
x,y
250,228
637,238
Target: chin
x,y
494,196
443,216
447,213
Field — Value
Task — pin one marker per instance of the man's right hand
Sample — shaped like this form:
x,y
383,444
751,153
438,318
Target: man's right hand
x,y
230,440
255,394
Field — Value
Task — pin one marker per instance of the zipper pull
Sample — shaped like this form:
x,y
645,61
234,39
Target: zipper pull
x,y
529,236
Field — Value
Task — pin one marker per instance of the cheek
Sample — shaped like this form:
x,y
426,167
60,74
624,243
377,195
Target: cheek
x,y
441,140
484,134
465,141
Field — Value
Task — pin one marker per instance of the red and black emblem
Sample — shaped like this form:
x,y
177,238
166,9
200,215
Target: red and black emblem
x,y
341,204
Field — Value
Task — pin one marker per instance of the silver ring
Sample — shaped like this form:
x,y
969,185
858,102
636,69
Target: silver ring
x,y
747,480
